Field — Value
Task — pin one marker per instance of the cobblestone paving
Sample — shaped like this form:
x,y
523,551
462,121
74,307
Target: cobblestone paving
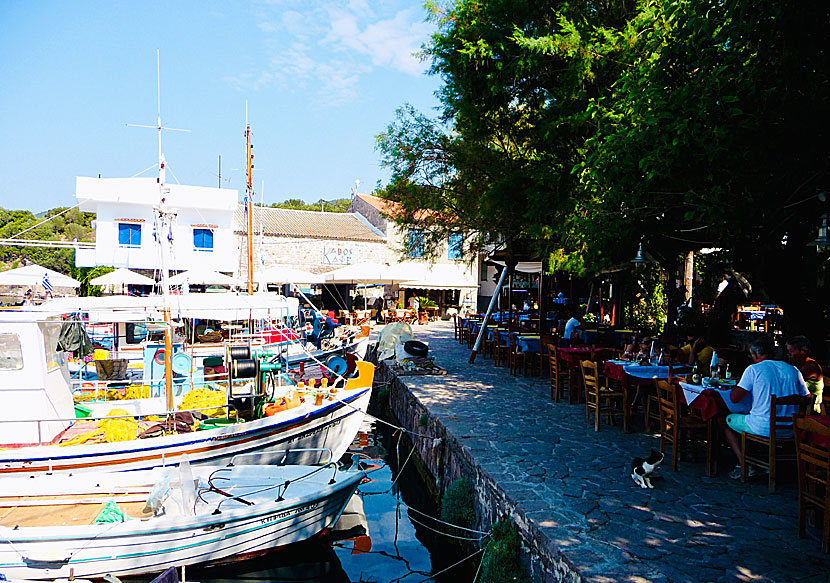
x,y
575,484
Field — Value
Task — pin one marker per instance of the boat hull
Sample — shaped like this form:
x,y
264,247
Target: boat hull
x,y
331,425
138,547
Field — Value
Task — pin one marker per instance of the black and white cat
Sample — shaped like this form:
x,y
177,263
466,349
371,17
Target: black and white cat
x,y
641,469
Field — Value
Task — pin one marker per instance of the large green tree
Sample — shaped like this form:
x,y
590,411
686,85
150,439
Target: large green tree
x,y
587,127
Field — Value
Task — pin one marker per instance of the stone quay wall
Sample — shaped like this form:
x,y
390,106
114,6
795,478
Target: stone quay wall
x,y
448,460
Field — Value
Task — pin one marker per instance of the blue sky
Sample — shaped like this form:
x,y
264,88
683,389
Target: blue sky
x,y
321,80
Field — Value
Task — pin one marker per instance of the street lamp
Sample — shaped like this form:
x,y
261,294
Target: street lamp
x,y
822,242
639,259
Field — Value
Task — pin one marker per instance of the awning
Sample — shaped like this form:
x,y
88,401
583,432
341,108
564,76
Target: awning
x,y
444,276
521,266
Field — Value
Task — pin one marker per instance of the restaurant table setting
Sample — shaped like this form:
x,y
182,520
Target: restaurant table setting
x,y
708,396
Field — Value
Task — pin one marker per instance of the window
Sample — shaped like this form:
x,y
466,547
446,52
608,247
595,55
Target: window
x,y
203,239
51,335
454,246
416,243
482,272
129,235
11,354
136,332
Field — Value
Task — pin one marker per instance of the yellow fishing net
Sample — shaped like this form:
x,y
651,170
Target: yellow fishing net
x,y
198,398
124,429
106,430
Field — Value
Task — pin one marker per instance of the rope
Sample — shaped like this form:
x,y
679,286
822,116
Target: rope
x,y
487,533
442,571
436,531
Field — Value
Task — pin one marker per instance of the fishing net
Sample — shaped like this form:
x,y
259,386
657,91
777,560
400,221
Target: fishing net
x,y
200,398
124,429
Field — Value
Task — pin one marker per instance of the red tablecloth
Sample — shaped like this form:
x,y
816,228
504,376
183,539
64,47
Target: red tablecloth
x,y
709,404
820,440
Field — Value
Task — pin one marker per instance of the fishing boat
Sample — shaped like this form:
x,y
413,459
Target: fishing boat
x,y
41,432
134,523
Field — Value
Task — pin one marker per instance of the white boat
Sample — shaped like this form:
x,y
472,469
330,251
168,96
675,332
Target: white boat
x,y
210,514
35,384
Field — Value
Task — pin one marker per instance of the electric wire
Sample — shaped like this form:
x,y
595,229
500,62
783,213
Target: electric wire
x,y
46,220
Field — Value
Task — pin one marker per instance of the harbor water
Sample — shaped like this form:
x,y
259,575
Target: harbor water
x,y
382,537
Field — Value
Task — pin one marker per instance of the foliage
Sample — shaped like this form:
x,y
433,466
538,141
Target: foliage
x,y
85,274
425,302
69,226
648,307
501,563
338,205
457,504
586,127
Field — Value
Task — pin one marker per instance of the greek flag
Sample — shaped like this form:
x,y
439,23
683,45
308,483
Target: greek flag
x,y
47,285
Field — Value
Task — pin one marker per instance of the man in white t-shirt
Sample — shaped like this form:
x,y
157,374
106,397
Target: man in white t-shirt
x,y
763,379
573,330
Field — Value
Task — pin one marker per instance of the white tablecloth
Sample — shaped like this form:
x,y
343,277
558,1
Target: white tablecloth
x,y
648,371
692,392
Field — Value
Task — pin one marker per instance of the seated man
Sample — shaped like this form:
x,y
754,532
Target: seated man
x,y
764,378
697,349
798,350
573,330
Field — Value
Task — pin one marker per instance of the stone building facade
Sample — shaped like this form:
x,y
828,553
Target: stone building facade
x,y
308,240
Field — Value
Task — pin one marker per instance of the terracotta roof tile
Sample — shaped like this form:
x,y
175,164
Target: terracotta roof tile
x,y
309,224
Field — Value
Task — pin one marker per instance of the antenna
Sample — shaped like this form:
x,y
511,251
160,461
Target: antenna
x,y
158,125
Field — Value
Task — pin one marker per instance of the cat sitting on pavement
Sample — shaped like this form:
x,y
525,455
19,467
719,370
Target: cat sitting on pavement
x,y
641,469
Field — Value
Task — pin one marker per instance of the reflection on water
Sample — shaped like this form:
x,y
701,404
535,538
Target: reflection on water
x,y
374,541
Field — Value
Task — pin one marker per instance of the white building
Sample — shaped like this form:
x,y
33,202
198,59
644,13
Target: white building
x,y
202,233
449,277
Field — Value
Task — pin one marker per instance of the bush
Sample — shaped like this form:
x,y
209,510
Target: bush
x,y
500,563
457,504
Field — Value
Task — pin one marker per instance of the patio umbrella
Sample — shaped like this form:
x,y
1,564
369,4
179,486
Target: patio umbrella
x,y
201,277
122,276
34,275
285,274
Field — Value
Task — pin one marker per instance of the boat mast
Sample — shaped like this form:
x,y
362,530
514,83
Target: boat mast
x,y
164,218
249,195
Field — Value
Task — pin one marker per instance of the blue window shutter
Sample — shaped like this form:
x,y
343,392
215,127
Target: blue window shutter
x,y
454,246
203,239
129,235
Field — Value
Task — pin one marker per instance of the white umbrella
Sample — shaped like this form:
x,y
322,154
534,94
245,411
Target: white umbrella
x,y
201,277
122,276
33,275
285,274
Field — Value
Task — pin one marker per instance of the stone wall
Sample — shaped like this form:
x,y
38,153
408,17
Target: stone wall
x,y
304,253
448,461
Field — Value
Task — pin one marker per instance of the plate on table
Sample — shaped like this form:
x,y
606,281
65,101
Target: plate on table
x,y
728,382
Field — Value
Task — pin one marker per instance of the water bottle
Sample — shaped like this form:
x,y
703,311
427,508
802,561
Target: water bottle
x,y
713,367
652,357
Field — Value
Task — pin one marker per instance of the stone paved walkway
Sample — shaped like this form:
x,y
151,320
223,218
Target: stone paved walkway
x,y
575,484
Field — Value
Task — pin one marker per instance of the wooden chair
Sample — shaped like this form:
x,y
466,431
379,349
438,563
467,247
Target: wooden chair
x,y
500,349
514,356
676,424
773,449
558,375
456,327
813,475
599,398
